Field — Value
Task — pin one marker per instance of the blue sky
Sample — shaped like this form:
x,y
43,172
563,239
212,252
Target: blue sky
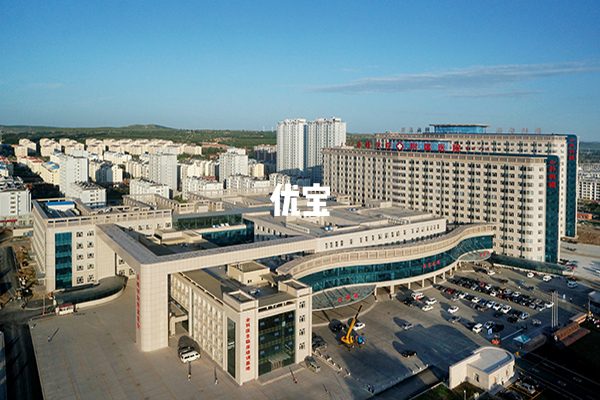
x,y
378,65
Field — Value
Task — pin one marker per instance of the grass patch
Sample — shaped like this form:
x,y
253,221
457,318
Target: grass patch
x,y
441,392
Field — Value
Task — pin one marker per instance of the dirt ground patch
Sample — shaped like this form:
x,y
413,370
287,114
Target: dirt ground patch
x,y
588,235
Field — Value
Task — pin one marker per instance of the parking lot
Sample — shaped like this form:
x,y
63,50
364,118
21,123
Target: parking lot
x,y
436,340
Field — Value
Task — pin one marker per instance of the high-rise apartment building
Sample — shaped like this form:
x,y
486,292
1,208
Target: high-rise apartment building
x,y
320,134
163,167
233,162
300,145
517,182
72,169
290,146
265,152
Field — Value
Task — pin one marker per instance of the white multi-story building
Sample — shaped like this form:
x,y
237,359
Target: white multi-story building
x,y
256,169
15,203
521,193
265,152
320,134
137,169
588,189
300,145
233,162
49,146
290,146
279,179
193,184
29,144
72,169
144,186
105,172
50,173
163,168
89,193
116,158
245,182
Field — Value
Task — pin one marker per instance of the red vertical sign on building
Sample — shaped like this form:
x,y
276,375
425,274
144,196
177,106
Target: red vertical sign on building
x,y
247,350
552,175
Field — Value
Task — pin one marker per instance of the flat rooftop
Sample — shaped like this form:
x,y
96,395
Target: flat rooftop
x,y
71,207
346,219
491,358
216,282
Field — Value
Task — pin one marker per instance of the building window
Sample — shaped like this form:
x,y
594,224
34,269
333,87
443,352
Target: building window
x,y
80,256
302,304
476,377
79,234
80,279
90,278
90,233
302,332
90,266
301,318
80,268
301,346
79,246
90,245
90,255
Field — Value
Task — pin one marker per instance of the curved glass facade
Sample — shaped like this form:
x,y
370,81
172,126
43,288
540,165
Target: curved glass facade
x,y
374,273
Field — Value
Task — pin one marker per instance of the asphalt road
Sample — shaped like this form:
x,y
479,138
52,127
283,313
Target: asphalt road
x,y
561,380
23,380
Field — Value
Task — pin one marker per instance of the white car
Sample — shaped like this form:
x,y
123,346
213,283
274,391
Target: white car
x,y
453,309
431,302
549,304
490,272
475,299
547,278
189,356
477,328
488,325
358,326
530,274
497,306
506,309
490,304
427,308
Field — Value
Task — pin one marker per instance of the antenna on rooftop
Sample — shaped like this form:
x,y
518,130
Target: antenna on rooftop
x,y
538,130
524,130
511,130
498,130
410,130
403,130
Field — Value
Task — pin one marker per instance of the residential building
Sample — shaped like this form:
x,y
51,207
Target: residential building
x,y
193,184
89,193
245,182
71,169
50,173
15,203
145,186
588,188
256,169
290,146
265,152
233,162
163,168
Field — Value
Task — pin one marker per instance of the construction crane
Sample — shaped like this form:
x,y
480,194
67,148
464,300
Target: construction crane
x,y
351,338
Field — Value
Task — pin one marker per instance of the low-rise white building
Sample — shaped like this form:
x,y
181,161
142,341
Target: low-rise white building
x,y
15,203
192,184
50,173
89,193
145,186
245,182
487,368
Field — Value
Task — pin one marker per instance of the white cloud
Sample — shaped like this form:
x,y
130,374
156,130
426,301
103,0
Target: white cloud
x,y
471,78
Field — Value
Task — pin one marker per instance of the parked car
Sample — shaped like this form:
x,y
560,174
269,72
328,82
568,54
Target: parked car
x,y
336,326
547,278
358,326
409,353
497,306
525,387
477,328
453,309
417,295
506,309
454,319
427,308
530,274
407,326
488,325
431,301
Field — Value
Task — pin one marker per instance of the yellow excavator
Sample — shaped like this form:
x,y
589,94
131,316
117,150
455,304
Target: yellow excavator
x,y
352,338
